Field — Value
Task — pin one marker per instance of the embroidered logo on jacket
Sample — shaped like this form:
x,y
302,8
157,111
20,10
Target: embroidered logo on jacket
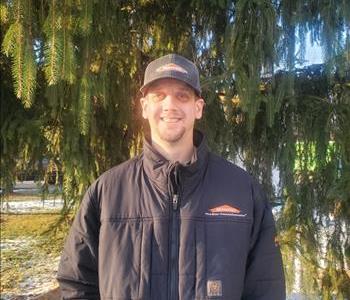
x,y
171,67
225,210
214,288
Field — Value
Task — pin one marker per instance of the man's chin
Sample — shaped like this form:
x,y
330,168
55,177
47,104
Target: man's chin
x,y
171,136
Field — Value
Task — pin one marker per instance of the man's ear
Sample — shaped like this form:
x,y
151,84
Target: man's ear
x,y
199,107
144,104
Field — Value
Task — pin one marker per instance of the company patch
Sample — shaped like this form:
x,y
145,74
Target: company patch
x,y
214,288
225,210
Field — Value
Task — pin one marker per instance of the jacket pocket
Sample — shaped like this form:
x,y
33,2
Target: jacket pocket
x,y
225,243
124,258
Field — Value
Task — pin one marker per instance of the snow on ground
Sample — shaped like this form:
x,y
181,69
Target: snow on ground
x,y
37,280
32,188
36,206
40,277
15,244
38,272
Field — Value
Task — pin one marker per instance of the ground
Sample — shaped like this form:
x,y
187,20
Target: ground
x,y
30,247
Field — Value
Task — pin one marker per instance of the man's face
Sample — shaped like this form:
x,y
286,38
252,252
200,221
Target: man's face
x,y
171,108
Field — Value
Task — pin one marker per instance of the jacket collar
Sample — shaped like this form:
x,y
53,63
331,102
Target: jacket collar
x,y
158,168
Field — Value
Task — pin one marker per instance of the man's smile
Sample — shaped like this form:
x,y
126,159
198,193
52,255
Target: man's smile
x,y
170,119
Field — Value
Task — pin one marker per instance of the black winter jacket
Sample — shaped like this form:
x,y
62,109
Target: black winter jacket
x,y
151,229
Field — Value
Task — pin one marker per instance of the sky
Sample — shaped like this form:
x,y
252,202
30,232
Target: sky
x,y
313,54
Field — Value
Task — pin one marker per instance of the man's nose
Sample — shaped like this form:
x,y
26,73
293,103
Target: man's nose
x,y
170,102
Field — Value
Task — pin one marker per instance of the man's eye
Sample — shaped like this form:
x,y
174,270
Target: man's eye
x,y
183,97
156,97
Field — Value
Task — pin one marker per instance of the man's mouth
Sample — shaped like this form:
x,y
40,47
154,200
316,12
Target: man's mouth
x,y
170,119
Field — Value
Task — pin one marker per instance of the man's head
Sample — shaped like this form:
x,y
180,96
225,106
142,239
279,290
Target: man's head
x,y
172,66
171,99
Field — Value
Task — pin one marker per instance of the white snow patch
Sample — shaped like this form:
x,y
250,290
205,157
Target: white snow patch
x,y
39,272
41,278
15,244
31,206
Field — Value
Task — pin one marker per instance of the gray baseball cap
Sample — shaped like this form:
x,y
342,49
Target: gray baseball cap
x,y
172,66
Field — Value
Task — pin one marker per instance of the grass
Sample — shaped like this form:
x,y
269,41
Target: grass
x,y
27,241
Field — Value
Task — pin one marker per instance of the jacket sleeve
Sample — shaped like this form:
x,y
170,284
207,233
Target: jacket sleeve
x,y
78,268
264,278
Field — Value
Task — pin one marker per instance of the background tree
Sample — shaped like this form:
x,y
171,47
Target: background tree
x,y
69,93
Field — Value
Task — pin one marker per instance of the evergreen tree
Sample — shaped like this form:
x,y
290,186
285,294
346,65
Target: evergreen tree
x,y
70,73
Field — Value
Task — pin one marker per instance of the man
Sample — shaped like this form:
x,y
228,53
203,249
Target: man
x,y
176,222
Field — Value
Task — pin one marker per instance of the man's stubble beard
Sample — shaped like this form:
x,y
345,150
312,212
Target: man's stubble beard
x,y
169,136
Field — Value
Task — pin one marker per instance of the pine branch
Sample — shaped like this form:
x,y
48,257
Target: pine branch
x,y
53,49
29,65
17,56
30,71
84,104
68,60
85,21
9,40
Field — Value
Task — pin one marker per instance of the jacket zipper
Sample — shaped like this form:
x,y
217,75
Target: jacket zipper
x,y
174,238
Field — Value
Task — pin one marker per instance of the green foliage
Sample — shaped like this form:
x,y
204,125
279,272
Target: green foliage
x,y
85,18
77,66
54,45
84,105
251,51
68,71
18,45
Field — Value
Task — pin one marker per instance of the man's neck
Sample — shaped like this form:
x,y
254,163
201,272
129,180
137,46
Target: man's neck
x,y
175,152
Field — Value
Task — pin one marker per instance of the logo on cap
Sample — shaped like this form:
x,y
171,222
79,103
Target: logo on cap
x,y
171,67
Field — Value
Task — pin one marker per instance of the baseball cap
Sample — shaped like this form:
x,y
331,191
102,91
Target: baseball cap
x,y
172,66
